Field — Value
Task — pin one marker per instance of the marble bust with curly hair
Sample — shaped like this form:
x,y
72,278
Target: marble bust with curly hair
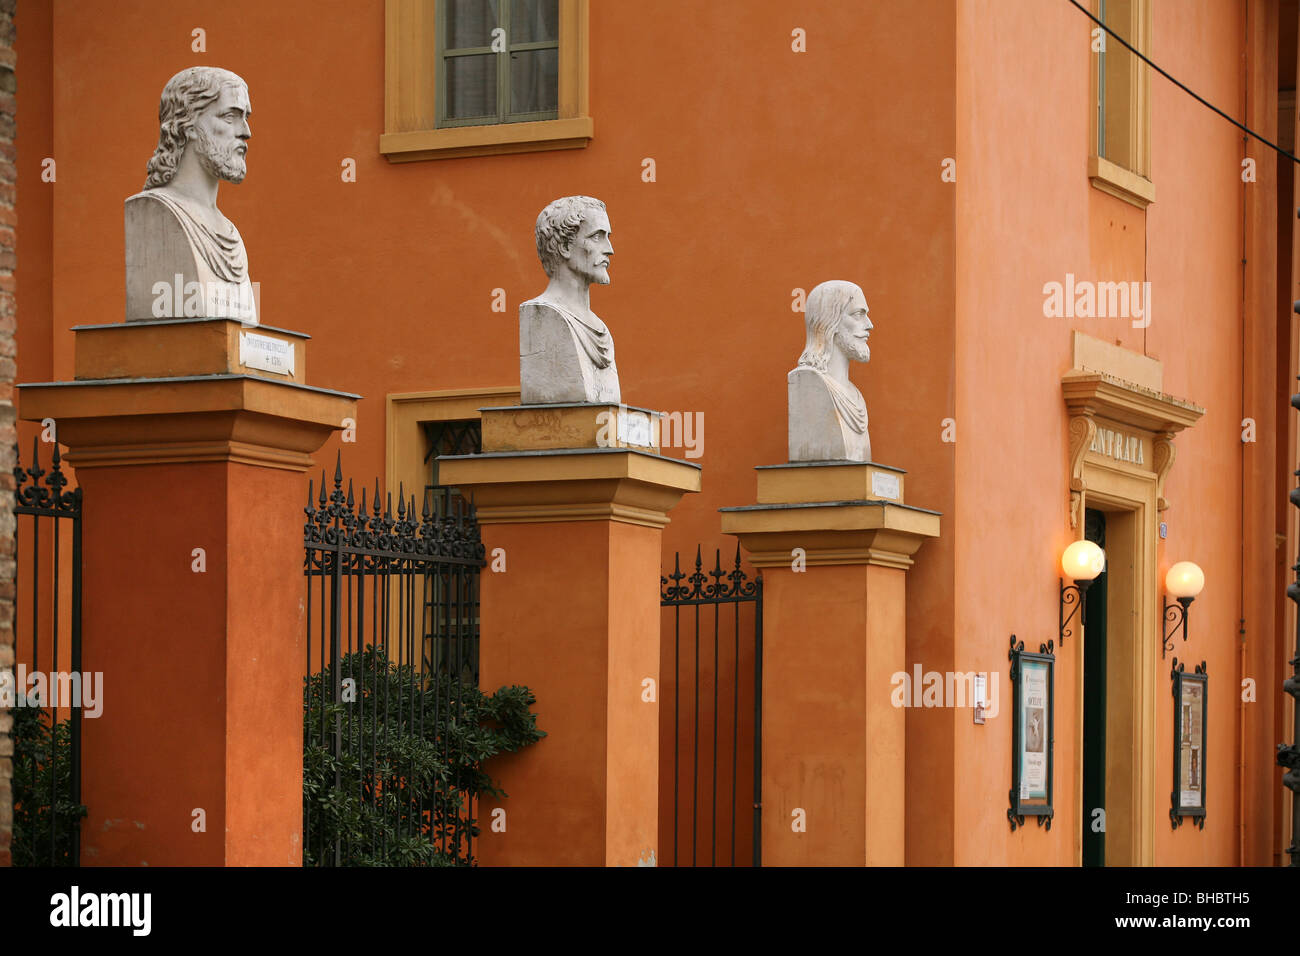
x,y
566,353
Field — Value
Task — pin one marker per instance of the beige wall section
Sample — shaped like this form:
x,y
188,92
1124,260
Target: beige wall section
x,y
405,442
1094,355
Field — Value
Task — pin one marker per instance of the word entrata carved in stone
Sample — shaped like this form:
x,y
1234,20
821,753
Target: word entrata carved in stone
x,y
1117,445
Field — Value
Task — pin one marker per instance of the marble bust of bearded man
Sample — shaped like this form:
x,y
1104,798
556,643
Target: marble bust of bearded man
x,y
828,415
173,227
566,353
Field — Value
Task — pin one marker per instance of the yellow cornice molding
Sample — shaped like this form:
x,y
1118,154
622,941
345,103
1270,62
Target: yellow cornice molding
x,y
201,418
170,453
851,532
1091,395
1097,394
581,485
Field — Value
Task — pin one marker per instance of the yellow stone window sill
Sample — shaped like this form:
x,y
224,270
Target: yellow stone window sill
x,y
1120,182
571,133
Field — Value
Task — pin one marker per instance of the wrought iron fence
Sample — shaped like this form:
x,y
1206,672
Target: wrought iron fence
x,y
46,625
718,728
392,655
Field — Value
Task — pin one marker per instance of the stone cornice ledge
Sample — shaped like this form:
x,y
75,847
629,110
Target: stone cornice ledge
x,y
1090,393
831,532
587,484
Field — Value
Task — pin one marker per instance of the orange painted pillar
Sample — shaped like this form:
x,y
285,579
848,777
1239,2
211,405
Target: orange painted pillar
x,y
834,544
192,590
574,616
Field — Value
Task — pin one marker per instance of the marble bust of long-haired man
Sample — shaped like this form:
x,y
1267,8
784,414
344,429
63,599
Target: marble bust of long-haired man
x,y
173,227
828,415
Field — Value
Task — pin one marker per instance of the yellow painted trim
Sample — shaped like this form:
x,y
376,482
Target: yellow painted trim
x,y
1130,178
543,427
1134,664
886,534
584,466
410,95
162,399
1120,182
459,141
1095,355
1099,394
851,481
176,348
246,420
621,486
404,440
244,453
845,517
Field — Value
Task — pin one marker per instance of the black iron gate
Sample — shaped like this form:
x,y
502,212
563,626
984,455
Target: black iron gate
x,y
717,713
392,650
48,688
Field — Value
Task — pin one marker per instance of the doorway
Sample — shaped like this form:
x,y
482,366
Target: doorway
x,y
1094,703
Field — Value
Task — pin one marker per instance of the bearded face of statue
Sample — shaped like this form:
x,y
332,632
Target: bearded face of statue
x,y
221,133
854,329
591,250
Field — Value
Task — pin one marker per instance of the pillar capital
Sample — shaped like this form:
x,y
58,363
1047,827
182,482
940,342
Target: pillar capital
x,y
573,484
838,512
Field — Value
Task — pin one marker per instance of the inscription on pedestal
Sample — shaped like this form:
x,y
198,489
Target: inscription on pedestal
x,y
634,429
265,353
886,486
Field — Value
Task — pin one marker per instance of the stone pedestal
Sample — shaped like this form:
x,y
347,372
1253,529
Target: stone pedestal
x,y
191,464
575,617
834,540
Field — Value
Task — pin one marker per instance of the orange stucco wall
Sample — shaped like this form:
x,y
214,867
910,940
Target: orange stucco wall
x,y
586,793
177,732
775,170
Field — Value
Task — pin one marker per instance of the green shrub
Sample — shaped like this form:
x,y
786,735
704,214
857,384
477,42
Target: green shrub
x,y
411,748
43,831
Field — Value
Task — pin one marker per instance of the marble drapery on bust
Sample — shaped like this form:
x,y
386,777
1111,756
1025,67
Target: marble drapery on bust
x,y
827,413
566,353
184,259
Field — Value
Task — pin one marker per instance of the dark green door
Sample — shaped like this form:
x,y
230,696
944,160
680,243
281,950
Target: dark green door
x,y
1094,705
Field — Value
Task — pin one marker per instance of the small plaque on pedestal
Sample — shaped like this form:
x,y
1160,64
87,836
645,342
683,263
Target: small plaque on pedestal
x,y
265,353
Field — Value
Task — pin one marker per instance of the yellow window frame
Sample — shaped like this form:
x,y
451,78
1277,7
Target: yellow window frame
x,y
411,130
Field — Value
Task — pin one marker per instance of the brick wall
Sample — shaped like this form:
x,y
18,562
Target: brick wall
x,y
7,430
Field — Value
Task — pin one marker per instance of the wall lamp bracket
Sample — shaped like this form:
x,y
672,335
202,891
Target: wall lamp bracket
x,y
1175,621
1072,606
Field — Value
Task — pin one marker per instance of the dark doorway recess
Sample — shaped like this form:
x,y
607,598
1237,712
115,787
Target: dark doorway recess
x,y
1094,703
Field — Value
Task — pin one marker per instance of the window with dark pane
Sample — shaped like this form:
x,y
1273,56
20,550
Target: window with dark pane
x,y
451,606
499,61
460,437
